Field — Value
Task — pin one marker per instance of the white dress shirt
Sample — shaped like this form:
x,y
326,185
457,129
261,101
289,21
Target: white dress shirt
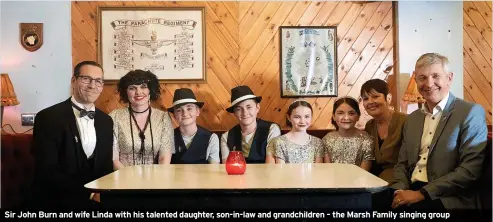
x,y
431,122
86,128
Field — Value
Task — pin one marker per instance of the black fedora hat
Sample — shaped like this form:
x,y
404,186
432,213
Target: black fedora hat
x,y
184,96
240,94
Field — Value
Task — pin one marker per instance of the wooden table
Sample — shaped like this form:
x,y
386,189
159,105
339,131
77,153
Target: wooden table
x,y
263,186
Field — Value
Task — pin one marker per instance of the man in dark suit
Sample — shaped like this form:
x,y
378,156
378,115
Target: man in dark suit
x,y
72,144
443,145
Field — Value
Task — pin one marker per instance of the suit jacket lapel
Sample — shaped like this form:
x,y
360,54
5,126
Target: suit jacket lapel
x,y
420,122
447,111
74,130
99,127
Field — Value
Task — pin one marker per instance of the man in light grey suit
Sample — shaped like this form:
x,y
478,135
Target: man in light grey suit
x,y
443,145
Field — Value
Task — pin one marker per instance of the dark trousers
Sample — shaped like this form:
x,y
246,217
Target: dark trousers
x,y
382,201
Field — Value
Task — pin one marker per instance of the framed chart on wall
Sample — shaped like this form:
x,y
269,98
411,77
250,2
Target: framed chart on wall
x,y
308,61
170,42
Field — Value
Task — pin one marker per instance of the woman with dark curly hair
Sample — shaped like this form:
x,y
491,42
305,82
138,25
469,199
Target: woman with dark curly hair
x,y
142,134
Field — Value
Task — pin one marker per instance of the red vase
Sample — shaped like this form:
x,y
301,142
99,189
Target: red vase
x,y
235,164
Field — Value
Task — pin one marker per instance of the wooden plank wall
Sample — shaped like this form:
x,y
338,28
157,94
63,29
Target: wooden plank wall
x,y
477,54
243,45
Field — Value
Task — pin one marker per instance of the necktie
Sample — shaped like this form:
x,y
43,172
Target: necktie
x,y
84,112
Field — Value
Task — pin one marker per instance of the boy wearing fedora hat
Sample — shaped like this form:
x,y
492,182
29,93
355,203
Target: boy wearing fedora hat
x,y
190,139
252,134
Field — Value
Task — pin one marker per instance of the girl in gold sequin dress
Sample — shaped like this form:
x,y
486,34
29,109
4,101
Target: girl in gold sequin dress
x,y
297,146
348,144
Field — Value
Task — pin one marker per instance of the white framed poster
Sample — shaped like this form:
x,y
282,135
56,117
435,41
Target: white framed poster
x,y
170,42
308,58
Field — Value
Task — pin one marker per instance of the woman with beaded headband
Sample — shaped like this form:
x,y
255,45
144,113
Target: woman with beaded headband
x,y
142,134
385,128
348,144
297,146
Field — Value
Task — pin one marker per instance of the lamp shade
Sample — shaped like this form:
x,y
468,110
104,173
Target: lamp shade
x,y
412,95
8,94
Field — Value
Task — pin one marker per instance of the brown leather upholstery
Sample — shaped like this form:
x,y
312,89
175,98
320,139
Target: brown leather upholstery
x,y
17,168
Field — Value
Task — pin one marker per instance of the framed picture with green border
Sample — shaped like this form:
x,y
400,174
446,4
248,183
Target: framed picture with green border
x,y
308,61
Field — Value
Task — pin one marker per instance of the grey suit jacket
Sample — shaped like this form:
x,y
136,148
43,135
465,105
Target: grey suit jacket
x,y
455,155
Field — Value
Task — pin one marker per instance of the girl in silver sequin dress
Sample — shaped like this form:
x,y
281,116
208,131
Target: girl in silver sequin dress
x,y
297,146
348,144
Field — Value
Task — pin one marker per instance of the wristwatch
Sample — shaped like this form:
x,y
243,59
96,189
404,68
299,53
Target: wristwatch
x,y
425,193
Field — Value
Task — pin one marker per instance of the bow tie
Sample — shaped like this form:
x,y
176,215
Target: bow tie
x,y
84,112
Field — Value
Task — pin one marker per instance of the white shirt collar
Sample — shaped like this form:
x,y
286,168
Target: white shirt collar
x,y
438,108
93,108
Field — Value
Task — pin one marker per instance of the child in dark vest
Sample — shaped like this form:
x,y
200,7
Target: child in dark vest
x,y
193,144
251,135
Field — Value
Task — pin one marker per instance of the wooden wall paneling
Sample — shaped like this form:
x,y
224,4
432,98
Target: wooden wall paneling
x,y
242,48
482,83
266,35
477,54
339,13
95,5
373,34
225,17
254,33
88,14
140,3
233,9
357,44
279,106
348,20
473,37
484,10
270,52
215,64
367,63
476,94
81,50
113,3
356,28
218,88
220,26
379,70
243,8
311,12
253,13
467,96
226,58
272,89
356,10
324,13
477,57
232,47
372,40
471,10
85,29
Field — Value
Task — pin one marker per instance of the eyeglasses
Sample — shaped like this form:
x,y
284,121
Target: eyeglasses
x,y
88,80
